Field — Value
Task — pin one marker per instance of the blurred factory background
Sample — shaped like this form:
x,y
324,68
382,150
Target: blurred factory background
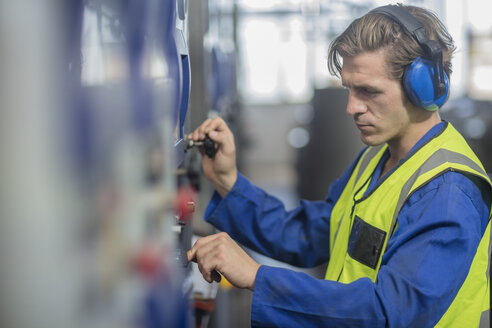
x,y
98,198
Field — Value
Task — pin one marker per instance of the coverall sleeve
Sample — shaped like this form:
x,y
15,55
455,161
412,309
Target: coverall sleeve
x,y
427,260
260,221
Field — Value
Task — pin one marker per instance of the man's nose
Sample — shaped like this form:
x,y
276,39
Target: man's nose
x,y
355,105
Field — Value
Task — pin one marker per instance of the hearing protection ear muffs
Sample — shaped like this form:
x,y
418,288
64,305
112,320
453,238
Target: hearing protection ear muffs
x,y
425,82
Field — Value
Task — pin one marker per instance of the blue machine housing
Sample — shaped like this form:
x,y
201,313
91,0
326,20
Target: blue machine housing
x,y
177,56
129,85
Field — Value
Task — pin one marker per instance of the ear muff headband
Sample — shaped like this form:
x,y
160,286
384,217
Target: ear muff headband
x,y
425,81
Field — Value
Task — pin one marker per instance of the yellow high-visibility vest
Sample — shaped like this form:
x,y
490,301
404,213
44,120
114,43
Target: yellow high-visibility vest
x,y
361,225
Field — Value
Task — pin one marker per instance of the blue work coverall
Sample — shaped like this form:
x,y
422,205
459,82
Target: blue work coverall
x,y
427,259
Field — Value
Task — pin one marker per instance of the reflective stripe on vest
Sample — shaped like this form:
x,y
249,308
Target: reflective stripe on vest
x,y
375,214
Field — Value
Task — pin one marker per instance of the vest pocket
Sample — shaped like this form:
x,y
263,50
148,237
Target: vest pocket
x,y
365,243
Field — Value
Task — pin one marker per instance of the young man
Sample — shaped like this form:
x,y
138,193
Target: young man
x,y
405,230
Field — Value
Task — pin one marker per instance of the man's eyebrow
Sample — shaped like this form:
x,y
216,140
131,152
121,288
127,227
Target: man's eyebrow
x,y
366,86
360,86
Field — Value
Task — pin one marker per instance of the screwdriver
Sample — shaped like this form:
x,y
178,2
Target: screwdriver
x,y
207,143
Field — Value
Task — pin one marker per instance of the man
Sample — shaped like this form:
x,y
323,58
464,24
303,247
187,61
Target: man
x,y
405,230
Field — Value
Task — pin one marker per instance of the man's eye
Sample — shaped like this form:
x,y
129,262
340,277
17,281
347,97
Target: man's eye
x,y
368,91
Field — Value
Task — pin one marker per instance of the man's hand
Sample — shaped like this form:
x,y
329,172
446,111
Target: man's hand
x,y
219,253
221,170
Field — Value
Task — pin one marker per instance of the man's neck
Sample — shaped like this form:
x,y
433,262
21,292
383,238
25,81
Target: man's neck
x,y
400,147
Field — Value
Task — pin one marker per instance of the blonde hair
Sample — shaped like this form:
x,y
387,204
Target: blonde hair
x,y
374,31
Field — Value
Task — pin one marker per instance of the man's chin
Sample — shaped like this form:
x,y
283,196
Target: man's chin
x,y
372,141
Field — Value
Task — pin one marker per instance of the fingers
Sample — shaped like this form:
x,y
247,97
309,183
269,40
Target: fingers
x,y
219,255
223,138
219,132
206,253
209,126
191,254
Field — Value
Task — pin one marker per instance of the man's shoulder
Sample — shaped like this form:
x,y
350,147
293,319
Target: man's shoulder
x,y
457,183
450,197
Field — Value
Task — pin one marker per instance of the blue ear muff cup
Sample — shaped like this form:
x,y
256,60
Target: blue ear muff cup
x,y
418,82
